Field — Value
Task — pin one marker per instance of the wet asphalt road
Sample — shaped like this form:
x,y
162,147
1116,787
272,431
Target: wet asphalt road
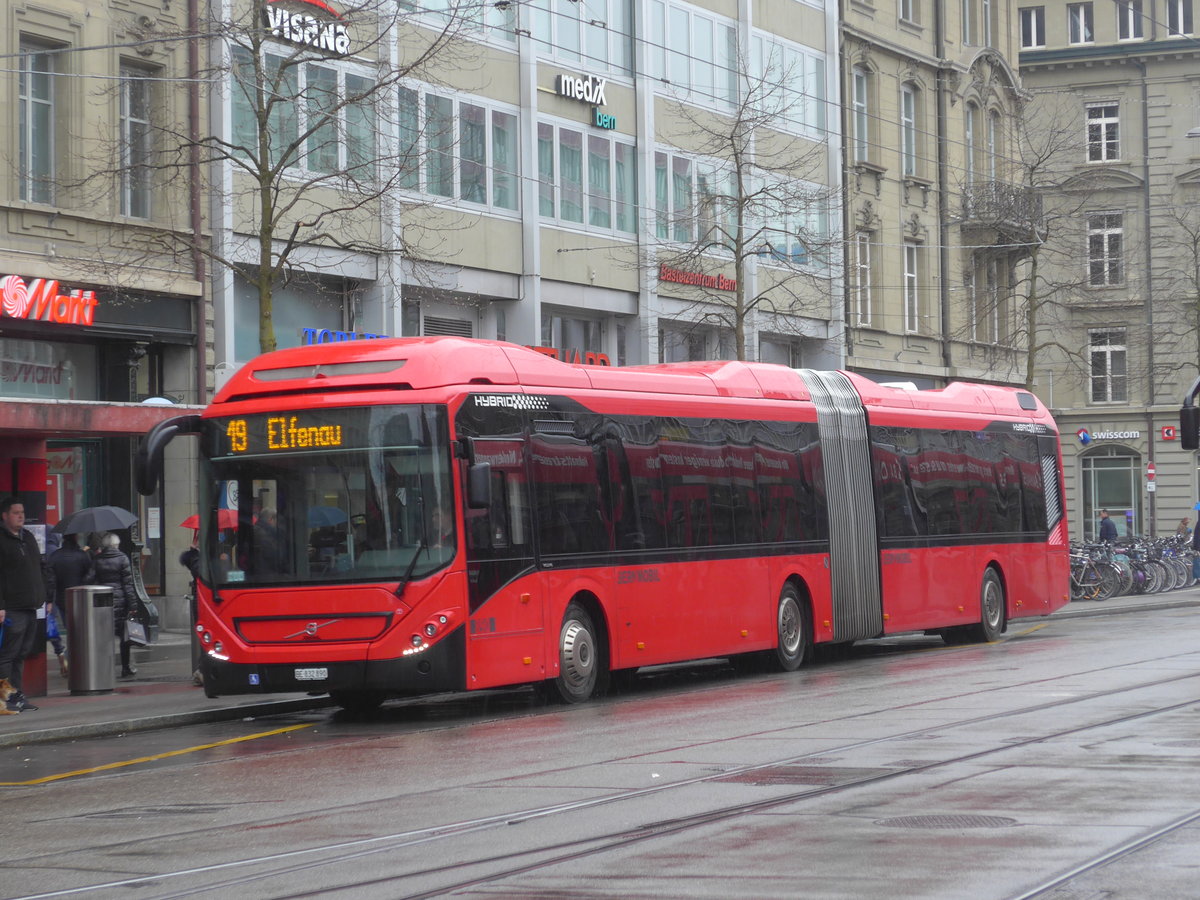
x,y
1062,761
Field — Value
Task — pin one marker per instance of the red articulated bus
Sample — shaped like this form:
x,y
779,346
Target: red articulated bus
x,y
431,514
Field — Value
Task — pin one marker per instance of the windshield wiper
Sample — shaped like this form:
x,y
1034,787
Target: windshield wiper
x,y
407,576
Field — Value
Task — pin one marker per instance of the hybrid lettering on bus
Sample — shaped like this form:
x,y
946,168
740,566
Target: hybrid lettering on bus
x,y
429,514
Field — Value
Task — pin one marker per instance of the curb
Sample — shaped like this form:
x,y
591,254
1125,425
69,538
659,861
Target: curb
x,y
1099,608
151,723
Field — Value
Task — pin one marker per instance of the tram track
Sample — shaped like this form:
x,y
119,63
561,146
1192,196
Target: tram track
x,y
566,852
547,855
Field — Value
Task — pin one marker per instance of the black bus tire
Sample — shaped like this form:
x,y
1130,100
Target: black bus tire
x,y
793,629
991,610
580,659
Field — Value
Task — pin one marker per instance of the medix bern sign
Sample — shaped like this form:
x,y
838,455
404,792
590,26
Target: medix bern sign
x,y
41,301
587,90
301,28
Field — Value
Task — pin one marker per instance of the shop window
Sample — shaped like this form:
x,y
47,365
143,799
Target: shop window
x,y
48,371
1112,480
294,308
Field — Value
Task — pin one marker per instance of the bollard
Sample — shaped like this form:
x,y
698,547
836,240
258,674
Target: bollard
x,y
92,644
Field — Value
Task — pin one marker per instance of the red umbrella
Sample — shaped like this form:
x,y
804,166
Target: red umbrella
x,y
226,518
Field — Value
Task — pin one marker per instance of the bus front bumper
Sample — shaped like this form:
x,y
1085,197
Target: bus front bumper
x,y
441,668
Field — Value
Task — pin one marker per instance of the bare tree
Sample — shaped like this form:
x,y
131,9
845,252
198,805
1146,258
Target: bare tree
x,y
318,144
761,204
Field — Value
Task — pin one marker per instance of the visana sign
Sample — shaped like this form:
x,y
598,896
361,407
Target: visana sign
x,y
41,301
303,29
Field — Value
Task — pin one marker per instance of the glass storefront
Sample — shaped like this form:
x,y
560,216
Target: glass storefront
x,y
1112,480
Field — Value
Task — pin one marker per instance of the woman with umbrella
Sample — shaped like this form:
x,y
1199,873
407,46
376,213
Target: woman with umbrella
x,y
114,569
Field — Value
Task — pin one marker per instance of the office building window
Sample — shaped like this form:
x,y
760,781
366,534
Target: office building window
x,y
1105,252
912,294
136,142
1033,27
1179,17
35,102
790,83
587,180
453,148
1129,20
329,106
985,21
908,129
596,34
1107,352
1103,132
1080,23
470,18
693,53
910,11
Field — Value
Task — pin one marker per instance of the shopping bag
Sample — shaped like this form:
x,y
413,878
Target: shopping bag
x,y
52,625
147,614
135,632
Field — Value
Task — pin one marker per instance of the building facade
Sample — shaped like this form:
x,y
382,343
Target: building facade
x,y
1120,284
938,225
100,313
601,180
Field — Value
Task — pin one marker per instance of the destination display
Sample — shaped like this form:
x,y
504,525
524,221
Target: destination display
x,y
309,431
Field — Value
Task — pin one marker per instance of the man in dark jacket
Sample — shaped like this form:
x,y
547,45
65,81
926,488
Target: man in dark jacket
x,y
22,593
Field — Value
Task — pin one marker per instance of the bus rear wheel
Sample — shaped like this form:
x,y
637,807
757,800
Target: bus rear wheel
x,y
793,631
580,660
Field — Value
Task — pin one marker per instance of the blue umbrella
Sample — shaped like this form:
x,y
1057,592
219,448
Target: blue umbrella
x,y
324,516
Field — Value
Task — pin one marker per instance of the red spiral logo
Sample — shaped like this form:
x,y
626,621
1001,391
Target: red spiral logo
x,y
15,295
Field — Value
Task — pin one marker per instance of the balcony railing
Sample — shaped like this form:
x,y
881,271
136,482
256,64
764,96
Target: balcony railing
x,y
1003,206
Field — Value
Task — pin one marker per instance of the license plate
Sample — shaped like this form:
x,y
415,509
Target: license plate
x,y
312,674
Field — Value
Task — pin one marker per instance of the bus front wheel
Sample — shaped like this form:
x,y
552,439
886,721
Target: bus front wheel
x,y
794,630
580,660
991,610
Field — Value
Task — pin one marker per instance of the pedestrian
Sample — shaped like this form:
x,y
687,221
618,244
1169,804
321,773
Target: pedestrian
x,y
1183,529
1108,528
72,566
114,569
22,593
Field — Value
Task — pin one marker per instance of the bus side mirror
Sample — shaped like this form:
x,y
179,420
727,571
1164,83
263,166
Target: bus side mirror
x,y
149,461
1189,427
479,486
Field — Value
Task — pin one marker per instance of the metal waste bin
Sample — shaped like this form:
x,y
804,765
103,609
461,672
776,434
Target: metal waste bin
x,y
90,640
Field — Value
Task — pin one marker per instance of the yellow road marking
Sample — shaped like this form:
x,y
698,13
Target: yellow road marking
x,y
157,756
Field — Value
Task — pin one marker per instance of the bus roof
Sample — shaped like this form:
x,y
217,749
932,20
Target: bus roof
x,y
421,363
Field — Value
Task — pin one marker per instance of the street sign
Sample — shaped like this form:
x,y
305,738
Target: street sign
x,y
1150,471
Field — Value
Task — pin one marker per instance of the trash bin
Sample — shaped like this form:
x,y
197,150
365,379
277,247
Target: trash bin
x,y
91,643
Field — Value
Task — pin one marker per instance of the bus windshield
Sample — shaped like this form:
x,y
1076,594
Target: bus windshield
x,y
326,495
